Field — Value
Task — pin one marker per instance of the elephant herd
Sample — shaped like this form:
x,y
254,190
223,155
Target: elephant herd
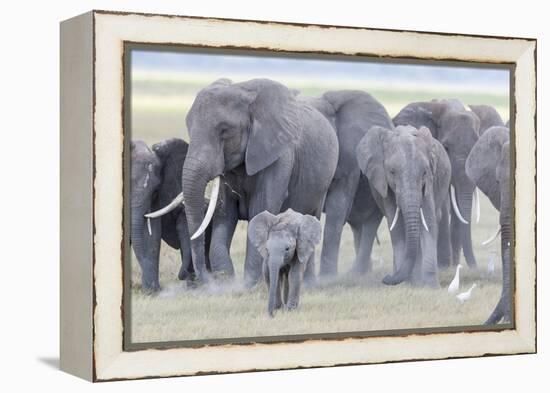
x,y
278,160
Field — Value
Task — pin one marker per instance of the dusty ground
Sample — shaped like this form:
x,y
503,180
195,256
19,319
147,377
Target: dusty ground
x,y
349,304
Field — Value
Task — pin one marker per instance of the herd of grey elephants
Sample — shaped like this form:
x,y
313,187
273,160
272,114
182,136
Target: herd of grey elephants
x,y
278,160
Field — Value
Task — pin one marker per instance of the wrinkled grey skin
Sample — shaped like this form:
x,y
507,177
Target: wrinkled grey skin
x,y
155,181
286,243
286,148
488,117
488,166
349,199
409,169
458,131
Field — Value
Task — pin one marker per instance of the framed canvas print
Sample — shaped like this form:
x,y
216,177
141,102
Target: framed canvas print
x,y
245,195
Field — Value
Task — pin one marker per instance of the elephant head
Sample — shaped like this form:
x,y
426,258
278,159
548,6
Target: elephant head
x,y
458,130
488,117
488,166
251,123
283,240
401,165
145,234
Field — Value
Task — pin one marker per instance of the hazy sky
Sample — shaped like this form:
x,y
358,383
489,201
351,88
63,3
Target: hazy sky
x,y
260,66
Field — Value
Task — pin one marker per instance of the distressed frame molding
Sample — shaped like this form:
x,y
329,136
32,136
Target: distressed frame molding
x,y
95,350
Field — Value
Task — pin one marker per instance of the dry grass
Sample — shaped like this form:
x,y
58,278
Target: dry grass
x,y
348,304
345,305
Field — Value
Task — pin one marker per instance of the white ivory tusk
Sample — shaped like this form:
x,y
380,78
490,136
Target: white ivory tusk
x,y
394,218
424,220
211,207
149,226
478,207
492,238
455,206
168,208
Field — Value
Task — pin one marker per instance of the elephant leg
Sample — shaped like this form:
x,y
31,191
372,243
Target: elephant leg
x,y
456,239
223,229
309,272
363,263
337,206
444,238
186,269
294,283
356,230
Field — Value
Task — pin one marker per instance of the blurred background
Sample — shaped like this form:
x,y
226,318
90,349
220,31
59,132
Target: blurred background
x,y
164,83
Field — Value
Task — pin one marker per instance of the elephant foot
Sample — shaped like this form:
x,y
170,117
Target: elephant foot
x,y
472,263
392,280
150,288
184,274
292,306
223,275
193,281
444,264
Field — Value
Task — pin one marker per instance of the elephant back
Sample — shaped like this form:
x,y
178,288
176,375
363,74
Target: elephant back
x,y
356,112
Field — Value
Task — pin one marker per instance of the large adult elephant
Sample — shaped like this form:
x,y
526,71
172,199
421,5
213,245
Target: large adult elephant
x,y
155,181
349,198
409,175
488,165
488,117
286,148
458,130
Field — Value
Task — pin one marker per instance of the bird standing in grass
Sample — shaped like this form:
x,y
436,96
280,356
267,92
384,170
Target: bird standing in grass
x,y
455,284
465,296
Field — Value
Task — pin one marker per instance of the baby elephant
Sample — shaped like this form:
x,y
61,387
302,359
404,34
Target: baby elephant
x,y
286,243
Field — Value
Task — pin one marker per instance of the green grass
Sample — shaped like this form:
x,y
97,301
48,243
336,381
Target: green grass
x,y
348,304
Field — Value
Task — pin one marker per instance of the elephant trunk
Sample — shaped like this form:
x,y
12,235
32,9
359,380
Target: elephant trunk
x,y
504,307
411,217
146,244
194,181
465,197
273,288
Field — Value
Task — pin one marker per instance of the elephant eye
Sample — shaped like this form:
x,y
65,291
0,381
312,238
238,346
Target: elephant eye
x,y
228,132
287,248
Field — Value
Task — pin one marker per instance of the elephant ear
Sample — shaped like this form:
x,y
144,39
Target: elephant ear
x,y
483,159
171,153
170,148
258,230
309,234
370,157
275,125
